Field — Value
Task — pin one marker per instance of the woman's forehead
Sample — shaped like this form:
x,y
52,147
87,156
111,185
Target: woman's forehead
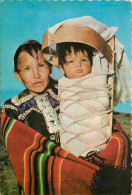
x,y
24,56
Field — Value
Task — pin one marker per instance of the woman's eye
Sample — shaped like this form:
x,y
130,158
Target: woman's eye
x,y
27,68
41,65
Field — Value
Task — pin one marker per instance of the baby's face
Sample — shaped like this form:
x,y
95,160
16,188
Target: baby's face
x,y
77,65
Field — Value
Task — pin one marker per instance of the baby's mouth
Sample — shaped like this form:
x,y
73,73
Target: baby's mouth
x,y
79,71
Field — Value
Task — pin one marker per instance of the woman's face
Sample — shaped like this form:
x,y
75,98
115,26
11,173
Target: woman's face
x,y
33,71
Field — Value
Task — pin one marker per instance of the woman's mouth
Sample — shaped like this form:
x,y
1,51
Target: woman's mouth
x,y
39,83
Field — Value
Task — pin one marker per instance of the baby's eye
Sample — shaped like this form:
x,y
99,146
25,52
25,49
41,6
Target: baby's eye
x,y
71,61
84,60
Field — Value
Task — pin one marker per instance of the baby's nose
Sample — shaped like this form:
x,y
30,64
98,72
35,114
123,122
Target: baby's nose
x,y
79,64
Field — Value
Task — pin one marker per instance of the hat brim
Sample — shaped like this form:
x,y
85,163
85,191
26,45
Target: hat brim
x,y
74,33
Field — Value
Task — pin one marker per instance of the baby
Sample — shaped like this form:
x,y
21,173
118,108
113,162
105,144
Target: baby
x,y
84,100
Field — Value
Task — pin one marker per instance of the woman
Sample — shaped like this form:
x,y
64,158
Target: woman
x,y
37,106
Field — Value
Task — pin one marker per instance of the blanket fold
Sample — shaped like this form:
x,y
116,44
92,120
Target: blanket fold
x,y
42,167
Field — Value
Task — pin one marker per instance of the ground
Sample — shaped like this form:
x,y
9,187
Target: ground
x,y
8,183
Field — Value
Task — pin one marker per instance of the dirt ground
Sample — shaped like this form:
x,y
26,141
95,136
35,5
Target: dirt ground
x,y
8,183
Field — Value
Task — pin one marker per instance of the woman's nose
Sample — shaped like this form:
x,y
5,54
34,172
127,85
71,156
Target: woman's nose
x,y
36,73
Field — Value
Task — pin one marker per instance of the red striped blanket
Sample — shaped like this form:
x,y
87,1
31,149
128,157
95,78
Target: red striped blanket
x,y
41,167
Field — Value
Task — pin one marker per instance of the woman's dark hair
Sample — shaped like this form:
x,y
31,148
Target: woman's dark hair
x,y
27,46
64,48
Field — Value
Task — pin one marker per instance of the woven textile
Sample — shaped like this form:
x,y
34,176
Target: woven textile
x,y
38,112
41,167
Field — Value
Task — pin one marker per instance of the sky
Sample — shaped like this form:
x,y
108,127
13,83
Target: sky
x,y
29,19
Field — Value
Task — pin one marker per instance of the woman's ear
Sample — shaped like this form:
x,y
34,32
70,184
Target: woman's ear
x,y
60,67
16,74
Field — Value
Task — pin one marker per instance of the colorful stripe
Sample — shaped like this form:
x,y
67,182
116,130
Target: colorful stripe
x,y
44,168
7,128
50,171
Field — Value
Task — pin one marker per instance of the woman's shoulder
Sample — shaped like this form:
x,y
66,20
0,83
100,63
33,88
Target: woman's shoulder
x,y
9,108
21,98
18,99
14,106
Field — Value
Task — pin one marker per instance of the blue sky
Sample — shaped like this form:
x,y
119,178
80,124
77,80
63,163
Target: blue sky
x,y
23,20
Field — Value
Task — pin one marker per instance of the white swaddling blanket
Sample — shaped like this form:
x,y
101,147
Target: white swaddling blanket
x,y
84,104
122,86
123,69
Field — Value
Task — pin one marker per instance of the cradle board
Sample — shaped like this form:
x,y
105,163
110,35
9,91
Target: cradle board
x,y
80,34
111,78
90,37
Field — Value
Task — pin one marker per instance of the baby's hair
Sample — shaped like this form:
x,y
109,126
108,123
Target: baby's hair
x,y
65,48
